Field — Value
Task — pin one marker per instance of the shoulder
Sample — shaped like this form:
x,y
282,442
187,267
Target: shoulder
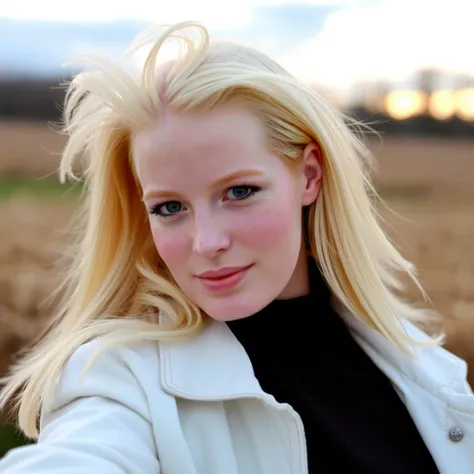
x,y
99,422
437,367
433,368
118,373
114,361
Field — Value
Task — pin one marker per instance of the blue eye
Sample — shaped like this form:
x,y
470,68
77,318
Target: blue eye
x,y
238,193
169,208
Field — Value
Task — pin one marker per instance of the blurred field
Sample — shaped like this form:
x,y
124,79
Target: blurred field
x,y
28,149
428,182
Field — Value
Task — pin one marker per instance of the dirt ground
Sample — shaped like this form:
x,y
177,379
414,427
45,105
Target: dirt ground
x,y
427,182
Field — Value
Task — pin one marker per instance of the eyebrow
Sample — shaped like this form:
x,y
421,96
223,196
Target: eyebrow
x,y
246,173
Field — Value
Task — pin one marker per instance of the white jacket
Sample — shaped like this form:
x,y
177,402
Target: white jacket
x,y
195,407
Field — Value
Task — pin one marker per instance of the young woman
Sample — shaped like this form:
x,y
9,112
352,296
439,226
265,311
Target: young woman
x,y
233,305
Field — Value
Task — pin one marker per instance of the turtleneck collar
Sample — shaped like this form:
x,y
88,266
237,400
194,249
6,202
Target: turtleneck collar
x,y
288,315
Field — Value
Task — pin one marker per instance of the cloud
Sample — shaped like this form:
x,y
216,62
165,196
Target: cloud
x,y
222,15
277,29
388,40
41,47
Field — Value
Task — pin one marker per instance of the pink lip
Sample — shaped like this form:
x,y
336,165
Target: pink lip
x,y
224,278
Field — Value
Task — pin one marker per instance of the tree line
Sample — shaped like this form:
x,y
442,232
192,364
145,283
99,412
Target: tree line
x,y
43,99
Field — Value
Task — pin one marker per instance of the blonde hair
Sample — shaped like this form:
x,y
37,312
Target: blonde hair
x,y
118,288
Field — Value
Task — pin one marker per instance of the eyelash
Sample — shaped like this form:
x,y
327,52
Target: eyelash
x,y
155,210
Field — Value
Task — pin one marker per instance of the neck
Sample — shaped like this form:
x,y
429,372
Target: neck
x,y
299,284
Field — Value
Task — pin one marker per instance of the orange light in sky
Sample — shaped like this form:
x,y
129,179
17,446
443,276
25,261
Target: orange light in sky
x,y
442,105
403,104
464,100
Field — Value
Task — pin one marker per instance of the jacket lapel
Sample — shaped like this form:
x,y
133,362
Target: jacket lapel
x,y
431,369
211,365
435,392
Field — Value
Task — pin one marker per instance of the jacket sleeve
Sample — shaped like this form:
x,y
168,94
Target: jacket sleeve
x,y
98,425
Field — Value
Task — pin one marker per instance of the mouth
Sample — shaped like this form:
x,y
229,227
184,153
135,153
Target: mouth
x,y
223,279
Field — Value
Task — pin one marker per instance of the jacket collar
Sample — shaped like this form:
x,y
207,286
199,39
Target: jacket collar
x,y
210,365
213,365
433,368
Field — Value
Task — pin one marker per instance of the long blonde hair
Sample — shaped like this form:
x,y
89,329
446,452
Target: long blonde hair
x,y
117,287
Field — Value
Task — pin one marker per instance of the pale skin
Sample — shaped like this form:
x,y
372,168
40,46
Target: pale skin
x,y
219,199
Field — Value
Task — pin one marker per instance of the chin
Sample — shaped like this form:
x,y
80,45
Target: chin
x,y
234,307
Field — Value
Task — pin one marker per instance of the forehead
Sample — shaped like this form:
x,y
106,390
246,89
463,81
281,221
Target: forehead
x,y
179,140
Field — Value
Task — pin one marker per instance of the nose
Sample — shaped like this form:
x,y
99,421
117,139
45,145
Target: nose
x,y
210,238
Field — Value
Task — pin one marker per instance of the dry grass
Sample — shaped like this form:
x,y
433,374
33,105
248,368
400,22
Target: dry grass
x,y
439,167
429,182
441,244
29,149
29,249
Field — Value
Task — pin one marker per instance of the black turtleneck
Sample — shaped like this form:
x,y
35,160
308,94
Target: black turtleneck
x,y
304,355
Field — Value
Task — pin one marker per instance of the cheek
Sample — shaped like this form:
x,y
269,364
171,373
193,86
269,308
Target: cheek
x,y
171,246
272,225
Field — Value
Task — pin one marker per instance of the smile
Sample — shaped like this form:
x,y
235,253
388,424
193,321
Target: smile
x,y
224,279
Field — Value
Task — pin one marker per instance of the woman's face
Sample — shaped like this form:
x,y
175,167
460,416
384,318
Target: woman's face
x,y
224,211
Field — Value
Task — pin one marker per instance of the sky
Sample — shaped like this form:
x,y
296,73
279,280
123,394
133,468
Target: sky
x,y
335,43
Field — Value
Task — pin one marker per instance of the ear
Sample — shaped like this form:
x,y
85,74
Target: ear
x,y
312,173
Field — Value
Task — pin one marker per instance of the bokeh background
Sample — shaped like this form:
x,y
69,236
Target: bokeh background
x,y
404,66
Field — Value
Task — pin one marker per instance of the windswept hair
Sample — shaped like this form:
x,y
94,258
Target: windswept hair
x,y
117,287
